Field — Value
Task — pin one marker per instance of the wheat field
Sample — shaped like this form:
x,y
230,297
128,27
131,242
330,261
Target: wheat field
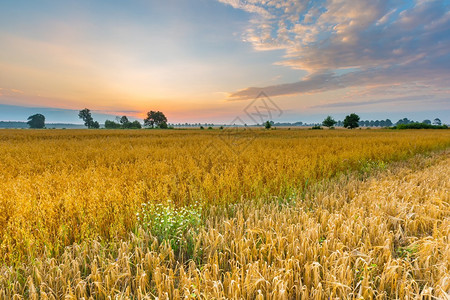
x,y
277,214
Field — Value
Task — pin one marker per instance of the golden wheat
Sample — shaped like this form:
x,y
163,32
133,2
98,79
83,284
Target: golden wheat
x,y
385,237
294,236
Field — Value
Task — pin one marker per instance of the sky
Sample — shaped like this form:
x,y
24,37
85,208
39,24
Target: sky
x,y
209,60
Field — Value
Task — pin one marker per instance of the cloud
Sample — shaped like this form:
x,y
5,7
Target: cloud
x,y
10,92
433,75
381,41
416,98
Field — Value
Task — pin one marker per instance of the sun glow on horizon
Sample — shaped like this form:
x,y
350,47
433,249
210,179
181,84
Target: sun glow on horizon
x,y
197,59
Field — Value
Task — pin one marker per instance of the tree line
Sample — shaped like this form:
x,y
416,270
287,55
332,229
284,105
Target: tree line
x,y
154,119
157,119
353,121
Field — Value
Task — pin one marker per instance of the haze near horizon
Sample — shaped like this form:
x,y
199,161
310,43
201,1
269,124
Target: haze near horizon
x,y
204,61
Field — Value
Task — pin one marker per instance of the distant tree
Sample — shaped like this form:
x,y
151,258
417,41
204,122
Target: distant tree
x,y
383,123
377,123
329,122
155,118
388,123
437,121
36,121
416,125
135,125
426,121
112,125
86,116
267,125
403,121
124,120
351,121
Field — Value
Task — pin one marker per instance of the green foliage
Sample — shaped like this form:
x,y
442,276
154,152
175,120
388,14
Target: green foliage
x,y
368,166
136,125
155,118
267,125
163,125
316,127
86,116
36,121
210,128
404,121
124,120
112,125
124,124
329,122
171,224
419,126
132,125
351,121
406,252
201,127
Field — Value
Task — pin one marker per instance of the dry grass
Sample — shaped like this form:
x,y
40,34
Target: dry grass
x,y
385,237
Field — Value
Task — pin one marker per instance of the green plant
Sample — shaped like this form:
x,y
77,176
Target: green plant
x,y
322,239
172,224
405,252
370,165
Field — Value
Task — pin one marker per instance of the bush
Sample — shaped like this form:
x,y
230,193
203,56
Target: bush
x,y
112,125
316,127
419,126
163,125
